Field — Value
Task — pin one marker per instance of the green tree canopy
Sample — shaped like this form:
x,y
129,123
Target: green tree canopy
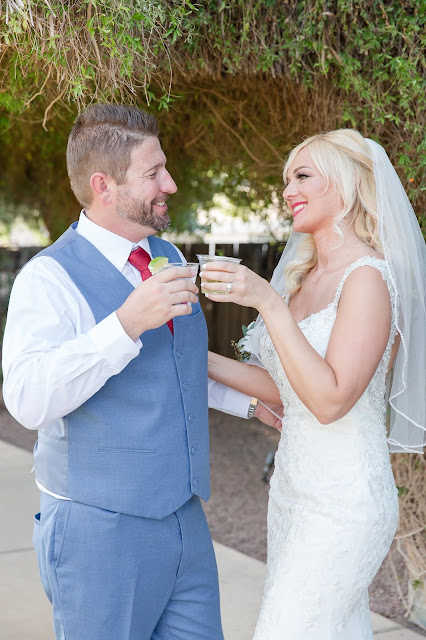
x,y
237,84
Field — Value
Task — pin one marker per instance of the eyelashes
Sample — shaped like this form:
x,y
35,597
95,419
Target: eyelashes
x,y
299,176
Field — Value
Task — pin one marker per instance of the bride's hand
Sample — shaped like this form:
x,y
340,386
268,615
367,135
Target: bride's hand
x,y
263,414
238,283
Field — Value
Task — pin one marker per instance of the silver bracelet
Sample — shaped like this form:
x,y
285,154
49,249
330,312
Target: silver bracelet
x,y
252,408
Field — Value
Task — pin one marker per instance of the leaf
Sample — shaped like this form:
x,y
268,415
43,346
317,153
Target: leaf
x,y
402,491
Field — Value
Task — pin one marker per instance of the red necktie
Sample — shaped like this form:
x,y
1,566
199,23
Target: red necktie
x,y
140,259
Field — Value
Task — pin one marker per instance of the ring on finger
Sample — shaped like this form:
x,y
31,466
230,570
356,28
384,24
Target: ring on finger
x,y
228,287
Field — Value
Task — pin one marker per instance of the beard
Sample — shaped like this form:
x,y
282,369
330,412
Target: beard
x,y
140,212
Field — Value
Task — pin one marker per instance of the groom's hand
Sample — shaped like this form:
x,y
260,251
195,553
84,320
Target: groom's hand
x,y
157,300
264,415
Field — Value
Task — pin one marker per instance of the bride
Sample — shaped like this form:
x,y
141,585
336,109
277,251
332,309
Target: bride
x,y
341,333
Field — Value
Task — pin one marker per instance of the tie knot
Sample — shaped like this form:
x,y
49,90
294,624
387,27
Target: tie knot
x,y
140,259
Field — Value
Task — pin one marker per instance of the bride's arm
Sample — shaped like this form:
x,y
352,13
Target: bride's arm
x,y
328,386
249,379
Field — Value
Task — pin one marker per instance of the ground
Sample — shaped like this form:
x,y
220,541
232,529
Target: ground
x,y
237,508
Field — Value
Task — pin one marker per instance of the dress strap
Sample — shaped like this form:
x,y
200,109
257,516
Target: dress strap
x,y
370,261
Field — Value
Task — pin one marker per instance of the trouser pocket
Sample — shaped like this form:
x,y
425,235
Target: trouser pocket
x,y
39,544
36,529
61,525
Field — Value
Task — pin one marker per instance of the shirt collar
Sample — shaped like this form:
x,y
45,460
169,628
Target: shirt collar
x,y
115,248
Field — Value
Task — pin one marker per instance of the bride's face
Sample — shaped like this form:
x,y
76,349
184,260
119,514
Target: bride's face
x,y
313,205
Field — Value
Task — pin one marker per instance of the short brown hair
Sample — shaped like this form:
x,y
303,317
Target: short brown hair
x,y
102,139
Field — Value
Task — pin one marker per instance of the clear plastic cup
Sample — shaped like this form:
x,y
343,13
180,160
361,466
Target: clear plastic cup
x,y
194,266
203,259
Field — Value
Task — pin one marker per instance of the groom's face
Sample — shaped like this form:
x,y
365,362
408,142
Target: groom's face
x,y
142,198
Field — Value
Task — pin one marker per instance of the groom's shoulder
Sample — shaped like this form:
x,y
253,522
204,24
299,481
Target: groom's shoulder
x,y
166,244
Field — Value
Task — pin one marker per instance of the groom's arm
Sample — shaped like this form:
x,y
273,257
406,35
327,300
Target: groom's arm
x,y
228,400
55,356
238,404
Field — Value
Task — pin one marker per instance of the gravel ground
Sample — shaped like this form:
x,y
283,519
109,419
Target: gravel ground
x,y
237,508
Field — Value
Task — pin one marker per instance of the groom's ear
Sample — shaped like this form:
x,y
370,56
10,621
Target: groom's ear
x,y
103,187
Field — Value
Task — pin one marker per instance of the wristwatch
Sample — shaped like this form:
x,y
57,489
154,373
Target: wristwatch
x,y
252,408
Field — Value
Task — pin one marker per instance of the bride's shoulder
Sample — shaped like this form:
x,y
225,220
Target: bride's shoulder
x,y
364,269
365,279
363,257
364,251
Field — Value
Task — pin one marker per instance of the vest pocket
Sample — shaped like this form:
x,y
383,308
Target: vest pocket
x,y
121,450
195,318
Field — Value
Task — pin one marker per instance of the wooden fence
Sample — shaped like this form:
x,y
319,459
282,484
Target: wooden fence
x,y
224,321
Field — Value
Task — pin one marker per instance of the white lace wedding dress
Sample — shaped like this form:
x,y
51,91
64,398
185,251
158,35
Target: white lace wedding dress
x,y
333,505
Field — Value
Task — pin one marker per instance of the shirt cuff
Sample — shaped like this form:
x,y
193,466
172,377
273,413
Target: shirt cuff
x,y
113,343
228,400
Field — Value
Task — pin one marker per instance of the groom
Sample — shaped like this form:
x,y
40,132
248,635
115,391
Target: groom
x,y
103,360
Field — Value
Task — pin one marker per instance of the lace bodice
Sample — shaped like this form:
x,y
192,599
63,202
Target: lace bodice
x,y
317,329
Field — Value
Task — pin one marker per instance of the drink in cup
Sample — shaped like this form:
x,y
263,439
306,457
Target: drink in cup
x,y
203,259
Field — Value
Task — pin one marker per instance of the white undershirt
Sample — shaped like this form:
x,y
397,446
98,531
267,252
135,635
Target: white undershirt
x,y
55,356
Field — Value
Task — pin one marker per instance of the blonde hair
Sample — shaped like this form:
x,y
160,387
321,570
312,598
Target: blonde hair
x,y
343,159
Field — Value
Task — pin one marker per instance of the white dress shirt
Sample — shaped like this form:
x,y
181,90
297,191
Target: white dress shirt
x,y
55,356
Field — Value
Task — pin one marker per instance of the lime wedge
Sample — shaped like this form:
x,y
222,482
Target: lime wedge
x,y
157,264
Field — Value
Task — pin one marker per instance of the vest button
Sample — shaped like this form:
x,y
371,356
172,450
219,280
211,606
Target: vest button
x,y
178,354
193,450
190,418
185,386
195,482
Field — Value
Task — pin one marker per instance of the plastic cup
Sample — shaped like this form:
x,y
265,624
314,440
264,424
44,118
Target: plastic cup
x,y
203,259
194,266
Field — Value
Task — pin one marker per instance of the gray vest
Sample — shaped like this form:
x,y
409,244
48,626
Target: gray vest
x,y
140,444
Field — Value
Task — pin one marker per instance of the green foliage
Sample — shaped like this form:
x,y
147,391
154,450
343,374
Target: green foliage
x,y
238,83
370,54
34,175
95,49
402,491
